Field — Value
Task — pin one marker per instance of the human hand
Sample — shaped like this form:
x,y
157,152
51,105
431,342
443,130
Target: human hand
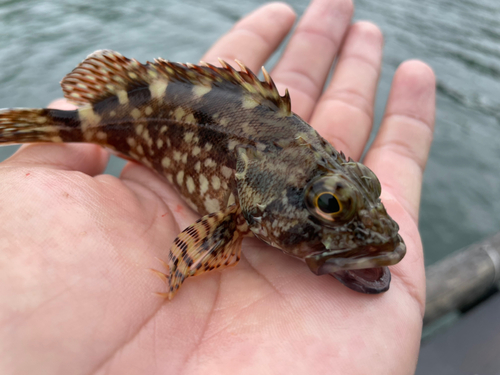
x,y
76,245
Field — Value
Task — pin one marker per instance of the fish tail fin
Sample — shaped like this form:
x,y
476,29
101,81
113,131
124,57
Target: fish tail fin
x,y
23,125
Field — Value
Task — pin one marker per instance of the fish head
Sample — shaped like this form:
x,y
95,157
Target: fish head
x,y
339,226
359,237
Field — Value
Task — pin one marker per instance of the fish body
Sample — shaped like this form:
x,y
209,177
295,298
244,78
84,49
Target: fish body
x,y
235,152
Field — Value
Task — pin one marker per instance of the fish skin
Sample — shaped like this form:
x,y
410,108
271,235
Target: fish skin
x,y
235,152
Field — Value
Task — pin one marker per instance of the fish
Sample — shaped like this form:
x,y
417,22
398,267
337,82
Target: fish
x,y
237,154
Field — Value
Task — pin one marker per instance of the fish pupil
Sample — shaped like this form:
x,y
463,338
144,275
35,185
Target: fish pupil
x,y
328,203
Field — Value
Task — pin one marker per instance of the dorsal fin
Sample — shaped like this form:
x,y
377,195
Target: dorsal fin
x,y
104,73
101,75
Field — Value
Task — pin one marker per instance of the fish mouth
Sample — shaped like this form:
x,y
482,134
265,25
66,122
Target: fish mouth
x,y
363,269
368,280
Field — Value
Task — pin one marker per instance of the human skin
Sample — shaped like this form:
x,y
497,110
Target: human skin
x,y
76,295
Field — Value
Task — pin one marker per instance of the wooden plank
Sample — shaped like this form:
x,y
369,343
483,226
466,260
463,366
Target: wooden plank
x,y
462,278
471,346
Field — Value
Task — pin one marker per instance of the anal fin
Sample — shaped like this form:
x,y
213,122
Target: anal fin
x,y
212,242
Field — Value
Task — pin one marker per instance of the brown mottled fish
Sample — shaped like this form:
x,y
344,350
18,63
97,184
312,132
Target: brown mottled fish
x,y
237,155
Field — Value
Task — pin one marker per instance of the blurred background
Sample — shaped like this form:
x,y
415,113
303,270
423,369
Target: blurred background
x,y
41,41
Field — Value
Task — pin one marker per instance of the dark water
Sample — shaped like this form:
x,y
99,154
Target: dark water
x,y
41,41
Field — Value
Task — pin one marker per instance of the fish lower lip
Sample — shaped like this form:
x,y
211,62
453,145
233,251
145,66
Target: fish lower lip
x,y
372,279
369,280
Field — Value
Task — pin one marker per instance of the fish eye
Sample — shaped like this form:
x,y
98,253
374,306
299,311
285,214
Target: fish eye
x,y
331,199
328,203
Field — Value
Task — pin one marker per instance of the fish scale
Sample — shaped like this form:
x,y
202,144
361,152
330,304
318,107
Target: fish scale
x,y
236,153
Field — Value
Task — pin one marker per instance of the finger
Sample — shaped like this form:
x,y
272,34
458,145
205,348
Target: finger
x,y
401,148
62,103
253,39
309,55
87,158
344,114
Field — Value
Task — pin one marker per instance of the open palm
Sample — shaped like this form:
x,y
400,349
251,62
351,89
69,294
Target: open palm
x,y
76,245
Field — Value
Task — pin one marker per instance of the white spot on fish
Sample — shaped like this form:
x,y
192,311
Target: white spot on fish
x,y
139,129
179,113
208,146
184,158
200,90
197,166
188,136
226,172
190,119
249,102
148,110
41,120
88,117
177,156
190,184
203,184
157,89
163,129
122,96
210,163
180,177
140,150
145,134
135,113
212,205
196,150
159,143
166,162
216,182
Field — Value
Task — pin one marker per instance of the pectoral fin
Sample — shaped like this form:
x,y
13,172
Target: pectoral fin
x,y
212,242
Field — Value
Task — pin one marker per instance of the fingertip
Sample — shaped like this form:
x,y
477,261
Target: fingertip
x,y
255,37
280,9
280,14
343,8
368,31
62,103
413,92
416,72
